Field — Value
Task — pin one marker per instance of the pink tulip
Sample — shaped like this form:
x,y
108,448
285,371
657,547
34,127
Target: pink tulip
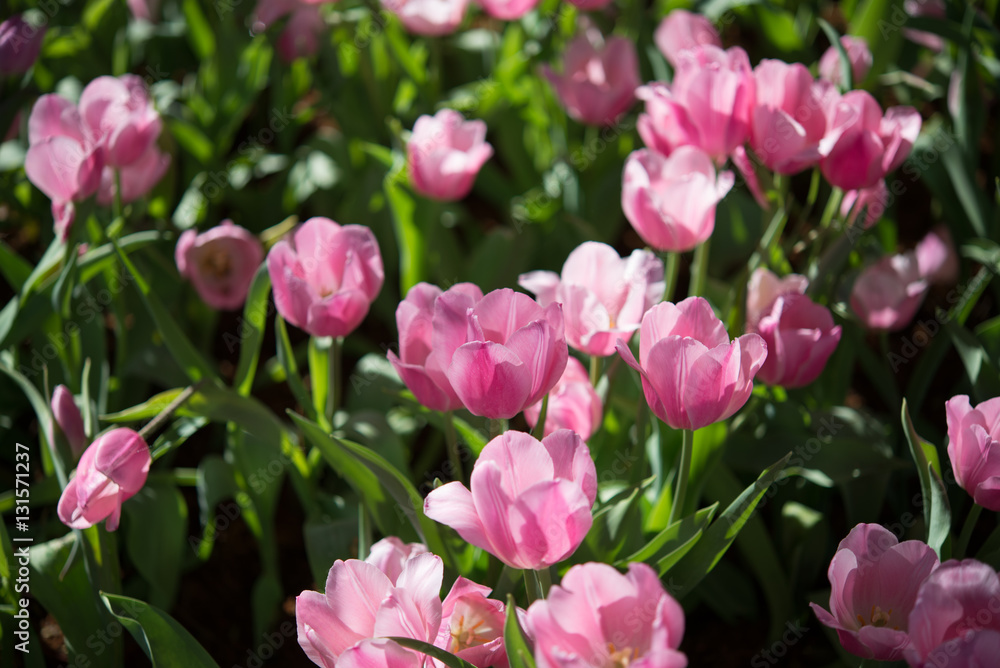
x,y
936,257
68,417
861,144
604,296
266,12
930,8
300,38
220,262
20,42
748,170
598,617
144,10
573,404
671,201
709,104
472,625
764,288
111,471
427,330
326,276
119,117
692,375
788,119
361,603
978,649
873,201
874,580
857,52
530,500
974,448
800,337
445,153
887,294
137,178
391,554
957,602
507,10
598,82
379,653
681,30
432,18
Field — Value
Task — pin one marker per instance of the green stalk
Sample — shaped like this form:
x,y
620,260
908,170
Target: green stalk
x,y
451,440
533,586
497,427
539,430
595,370
672,269
699,270
970,524
687,445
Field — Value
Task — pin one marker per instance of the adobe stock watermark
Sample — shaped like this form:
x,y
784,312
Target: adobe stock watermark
x,y
272,643
779,648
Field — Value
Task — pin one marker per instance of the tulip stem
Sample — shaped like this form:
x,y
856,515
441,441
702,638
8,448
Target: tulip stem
x,y
451,440
539,430
687,445
497,427
970,524
336,361
832,206
672,269
119,209
165,414
595,370
699,270
533,586
364,532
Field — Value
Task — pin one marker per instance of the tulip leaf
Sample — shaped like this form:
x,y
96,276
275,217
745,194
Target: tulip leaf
x,y
46,266
286,357
937,513
157,524
447,658
409,237
14,268
164,641
518,653
251,331
846,73
672,543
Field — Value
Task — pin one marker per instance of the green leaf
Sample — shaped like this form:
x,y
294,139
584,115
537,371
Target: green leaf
x,y
937,513
409,237
447,658
846,73
164,641
157,527
673,542
200,32
286,356
518,652
14,268
192,140
251,331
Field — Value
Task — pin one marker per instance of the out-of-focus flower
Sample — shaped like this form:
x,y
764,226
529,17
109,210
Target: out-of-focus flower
x,y
573,404
326,276
874,580
681,30
765,287
800,337
431,18
445,153
507,10
936,257
68,417
974,448
887,294
692,374
748,170
873,201
300,38
221,263
670,201
119,117
604,296
20,42
935,9
788,118
112,470
597,617
390,554
266,12
472,625
144,10
857,52
530,504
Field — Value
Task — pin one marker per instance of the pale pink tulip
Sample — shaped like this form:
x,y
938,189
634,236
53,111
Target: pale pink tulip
x,y
67,417
887,294
530,504
873,201
432,18
112,470
573,404
221,263
137,178
874,580
144,10
326,276
859,55
936,257
765,287
597,617
20,42
378,653
300,38
692,375
119,117
788,119
671,201
957,602
445,153
472,625
604,296
507,10
598,81
391,554
800,337
974,448
681,30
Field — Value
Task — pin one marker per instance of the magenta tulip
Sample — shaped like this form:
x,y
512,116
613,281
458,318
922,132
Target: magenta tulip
x,y
859,55
873,201
445,153
603,295
20,42
956,603
119,117
887,294
507,10
530,504
391,554
936,257
800,337
597,617
137,178
671,201
692,375
681,30
874,580
765,287
598,81
974,448
788,119
432,18
67,417
573,404
326,276
221,263
472,625
111,471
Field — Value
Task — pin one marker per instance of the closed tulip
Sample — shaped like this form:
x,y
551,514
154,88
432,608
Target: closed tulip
x,y
874,580
974,448
800,337
391,554
573,404
119,117
887,294
597,617
692,374
67,416
432,18
20,42
112,470
221,263
144,10
670,201
445,153
682,30
936,257
604,296
530,501
326,276
507,10
764,287
472,625
788,118
859,55
300,38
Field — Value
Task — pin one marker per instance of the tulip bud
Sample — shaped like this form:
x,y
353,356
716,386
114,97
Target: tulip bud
x,y
221,263
682,30
858,54
68,417
445,153
20,42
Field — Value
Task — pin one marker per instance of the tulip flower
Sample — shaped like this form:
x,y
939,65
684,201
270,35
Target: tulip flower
x,y
800,337
573,404
974,448
748,170
935,9
887,294
765,287
137,178
300,38
604,296
326,276
680,31
391,554
431,18
378,653
873,201
788,119
671,201
20,42
472,625
692,375
445,153
598,82
530,502
221,263
597,617
874,580
111,471
144,10
709,104
936,257
956,603
507,10
361,603
68,417
119,117
858,54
